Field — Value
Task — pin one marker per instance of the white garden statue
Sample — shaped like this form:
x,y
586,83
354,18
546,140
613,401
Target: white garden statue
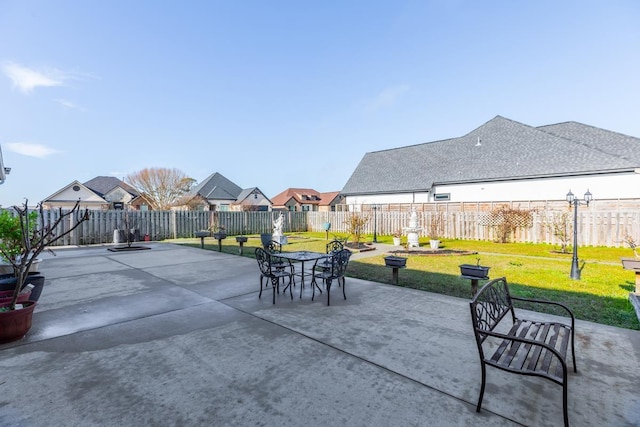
x,y
277,230
412,231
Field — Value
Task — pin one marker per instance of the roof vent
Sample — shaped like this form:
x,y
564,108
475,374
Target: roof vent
x,y
478,144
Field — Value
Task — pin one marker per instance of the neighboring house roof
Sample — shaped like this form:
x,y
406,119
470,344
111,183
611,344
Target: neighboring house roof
x,y
102,185
73,192
217,187
306,196
247,192
501,149
327,198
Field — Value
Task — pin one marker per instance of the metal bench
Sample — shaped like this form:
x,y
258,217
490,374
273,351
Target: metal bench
x,y
524,347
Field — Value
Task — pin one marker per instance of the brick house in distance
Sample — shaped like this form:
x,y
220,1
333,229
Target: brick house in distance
x,y
306,199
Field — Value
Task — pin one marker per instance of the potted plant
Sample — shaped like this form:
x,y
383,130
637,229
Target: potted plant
x,y
397,237
436,229
22,240
10,249
477,270
242,238
631,263
219,232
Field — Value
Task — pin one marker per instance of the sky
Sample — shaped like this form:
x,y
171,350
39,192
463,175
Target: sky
x,y
277,94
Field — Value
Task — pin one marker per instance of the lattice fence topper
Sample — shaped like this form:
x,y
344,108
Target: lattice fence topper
x,y
513,217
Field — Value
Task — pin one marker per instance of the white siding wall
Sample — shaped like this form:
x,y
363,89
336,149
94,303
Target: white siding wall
x,y
388,198
611,186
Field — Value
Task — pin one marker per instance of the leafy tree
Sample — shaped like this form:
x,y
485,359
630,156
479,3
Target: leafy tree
x,y
11,233
161,188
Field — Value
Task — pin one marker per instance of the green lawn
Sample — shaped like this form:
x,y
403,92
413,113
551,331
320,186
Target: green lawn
x,y
533,271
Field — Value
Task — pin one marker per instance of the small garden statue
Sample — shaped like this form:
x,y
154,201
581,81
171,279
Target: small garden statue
x,y
277,230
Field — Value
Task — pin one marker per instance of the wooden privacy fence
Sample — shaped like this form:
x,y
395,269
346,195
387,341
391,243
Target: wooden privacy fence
x,y
597,228
159,225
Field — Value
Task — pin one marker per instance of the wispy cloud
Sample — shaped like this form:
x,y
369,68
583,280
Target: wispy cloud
x,y
68,104
32,150
387,98
27,79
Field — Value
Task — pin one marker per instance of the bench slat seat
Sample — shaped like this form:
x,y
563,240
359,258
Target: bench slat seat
x,y
527,347
535,359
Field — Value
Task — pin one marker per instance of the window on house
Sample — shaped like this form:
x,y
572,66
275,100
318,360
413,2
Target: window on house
x,y
442,197
292,208
224,208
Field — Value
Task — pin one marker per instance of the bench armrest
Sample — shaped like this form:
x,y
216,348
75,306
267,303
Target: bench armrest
x,y
539,301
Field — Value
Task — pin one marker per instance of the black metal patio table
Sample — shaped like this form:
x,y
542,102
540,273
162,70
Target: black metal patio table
x,y
302,257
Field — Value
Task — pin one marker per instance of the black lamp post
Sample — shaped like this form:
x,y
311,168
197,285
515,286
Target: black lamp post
x,y
575,202
375,223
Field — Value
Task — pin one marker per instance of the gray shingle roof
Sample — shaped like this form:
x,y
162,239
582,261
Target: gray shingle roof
x,y
501,149
217,187
101,185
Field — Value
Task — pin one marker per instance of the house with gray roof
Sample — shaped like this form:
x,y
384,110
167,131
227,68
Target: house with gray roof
x,y
101,192
502,160
217,193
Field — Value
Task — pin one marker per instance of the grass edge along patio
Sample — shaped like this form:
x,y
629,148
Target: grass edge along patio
x,y
533,271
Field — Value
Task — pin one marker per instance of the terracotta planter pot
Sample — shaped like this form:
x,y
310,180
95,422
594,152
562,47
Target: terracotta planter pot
x,y
15,324
5,297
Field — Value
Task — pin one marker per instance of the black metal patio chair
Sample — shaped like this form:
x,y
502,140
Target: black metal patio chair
x,y
269,272
339,262
332,248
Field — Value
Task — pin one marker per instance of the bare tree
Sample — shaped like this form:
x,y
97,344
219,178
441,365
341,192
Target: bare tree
x,y
161,188
356,222
561,227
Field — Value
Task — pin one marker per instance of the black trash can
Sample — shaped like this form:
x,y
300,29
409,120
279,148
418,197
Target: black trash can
x,y
134,235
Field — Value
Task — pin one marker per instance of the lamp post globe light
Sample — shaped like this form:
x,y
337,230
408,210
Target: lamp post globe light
x,y
375,223
575,202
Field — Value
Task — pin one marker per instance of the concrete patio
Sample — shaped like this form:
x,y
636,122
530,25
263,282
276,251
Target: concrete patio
x,y
177,336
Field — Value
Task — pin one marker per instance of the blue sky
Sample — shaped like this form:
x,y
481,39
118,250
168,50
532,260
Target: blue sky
x,y
279,94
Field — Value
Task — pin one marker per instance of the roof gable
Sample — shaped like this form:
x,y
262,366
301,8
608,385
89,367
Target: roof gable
x,y
73,192
247,192
216,186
